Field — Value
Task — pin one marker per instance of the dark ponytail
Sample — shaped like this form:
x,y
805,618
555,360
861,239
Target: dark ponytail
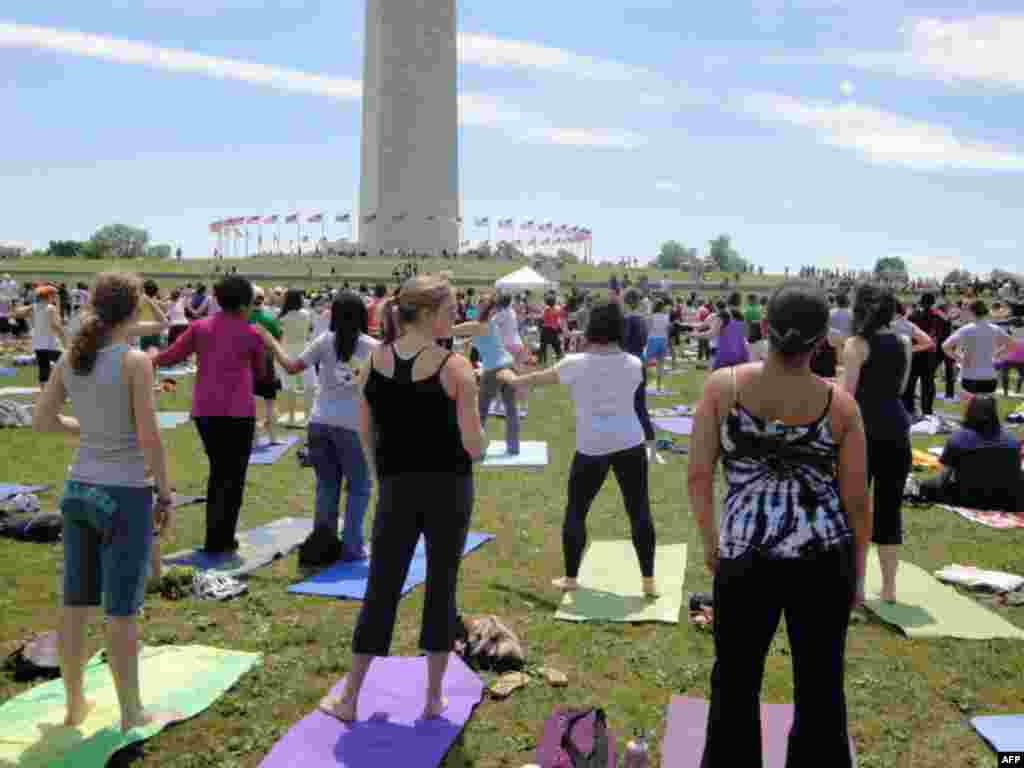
x,y
349,320
873,309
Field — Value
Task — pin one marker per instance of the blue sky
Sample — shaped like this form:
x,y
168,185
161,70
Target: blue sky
x,y
827,132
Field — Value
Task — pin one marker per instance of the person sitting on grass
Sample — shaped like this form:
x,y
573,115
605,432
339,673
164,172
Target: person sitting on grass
x,y
981,464
334,447
109,515
603,382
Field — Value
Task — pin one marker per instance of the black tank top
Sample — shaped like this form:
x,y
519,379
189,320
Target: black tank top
x,y
878,389
417,427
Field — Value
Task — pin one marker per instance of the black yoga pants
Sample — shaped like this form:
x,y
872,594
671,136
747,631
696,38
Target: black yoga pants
x,y
889,463
586,476
437,505
228,443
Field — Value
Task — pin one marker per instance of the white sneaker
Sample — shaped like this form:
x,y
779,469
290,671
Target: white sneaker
x,y
210,585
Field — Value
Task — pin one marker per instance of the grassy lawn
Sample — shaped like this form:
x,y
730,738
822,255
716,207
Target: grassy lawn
x,y
908,700
298,269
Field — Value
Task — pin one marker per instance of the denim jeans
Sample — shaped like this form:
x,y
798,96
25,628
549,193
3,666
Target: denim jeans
x,y
337,454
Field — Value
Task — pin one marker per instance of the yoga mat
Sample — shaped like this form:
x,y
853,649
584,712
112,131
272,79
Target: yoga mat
x,y
10,490
299,423
658,392
177,371
268,454
348,580
1004,733
187,679
609,585
388,731
582,736
8,372
257,547
531,454
999,520
677,425
14,391
172,419
685,731
927,608
180,500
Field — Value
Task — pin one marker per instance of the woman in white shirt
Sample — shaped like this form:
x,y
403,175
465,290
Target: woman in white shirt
x,y
976,347
296,324
657,340
176,316
603,382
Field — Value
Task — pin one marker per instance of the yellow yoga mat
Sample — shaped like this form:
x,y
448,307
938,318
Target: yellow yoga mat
x,y
183,678
610,587
926,608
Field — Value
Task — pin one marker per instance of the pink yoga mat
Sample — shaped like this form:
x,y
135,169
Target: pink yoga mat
x,y
582,735
683,745
388,731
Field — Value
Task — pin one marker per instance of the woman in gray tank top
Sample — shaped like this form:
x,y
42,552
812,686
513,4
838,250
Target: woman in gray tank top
x,y
109,516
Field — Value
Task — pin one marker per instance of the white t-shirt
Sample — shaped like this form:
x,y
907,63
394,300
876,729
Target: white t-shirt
x,y
978,342
176,313
321,322
337,398
508,328
603,387
659,325
645,306
296,326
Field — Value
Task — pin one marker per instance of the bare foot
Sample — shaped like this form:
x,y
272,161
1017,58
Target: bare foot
x,y
888,596
336,705
658,458
565,584
435,708
76,715
151,717
650,588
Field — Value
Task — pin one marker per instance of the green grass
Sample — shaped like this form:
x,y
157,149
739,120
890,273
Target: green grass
x,y
908,700
298,269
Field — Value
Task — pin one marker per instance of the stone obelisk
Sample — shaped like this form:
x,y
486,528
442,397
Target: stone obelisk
x,y
409,184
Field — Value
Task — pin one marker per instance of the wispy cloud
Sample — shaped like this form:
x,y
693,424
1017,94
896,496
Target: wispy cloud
x,y
982,49
882,137
475,109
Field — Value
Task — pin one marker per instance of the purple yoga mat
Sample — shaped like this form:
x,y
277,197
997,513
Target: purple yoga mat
x,y
582,736
388,731
683,745
678,425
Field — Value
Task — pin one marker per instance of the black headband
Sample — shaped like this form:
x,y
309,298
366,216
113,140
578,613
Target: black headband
x,y
793,335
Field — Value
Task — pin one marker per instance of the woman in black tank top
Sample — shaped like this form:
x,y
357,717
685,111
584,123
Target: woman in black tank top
x,y
420,431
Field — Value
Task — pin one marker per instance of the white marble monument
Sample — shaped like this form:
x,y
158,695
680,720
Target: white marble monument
x,y
409,182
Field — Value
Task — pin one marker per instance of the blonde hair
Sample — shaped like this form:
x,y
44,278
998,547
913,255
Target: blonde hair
x,y
114,300
417,294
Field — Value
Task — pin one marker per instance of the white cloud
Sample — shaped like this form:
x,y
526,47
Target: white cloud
x,y
475,109
668,186
930,264
883,137
982,49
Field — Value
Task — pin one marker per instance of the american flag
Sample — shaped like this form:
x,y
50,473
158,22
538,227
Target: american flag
x,y
484,222
270,220
254,220
216,226
505,224
292,219
315,218
528,225
343,218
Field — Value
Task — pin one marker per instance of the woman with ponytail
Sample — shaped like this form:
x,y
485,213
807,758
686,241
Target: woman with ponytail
x,y
109,514
796,513
334,448
877,370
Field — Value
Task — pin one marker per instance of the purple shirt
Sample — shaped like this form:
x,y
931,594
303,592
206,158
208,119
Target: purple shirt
x,y
229,352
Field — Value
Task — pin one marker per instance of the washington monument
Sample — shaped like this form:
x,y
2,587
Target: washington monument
x,y
409,185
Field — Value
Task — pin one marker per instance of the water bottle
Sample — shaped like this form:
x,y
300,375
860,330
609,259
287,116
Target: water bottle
x,y
636,751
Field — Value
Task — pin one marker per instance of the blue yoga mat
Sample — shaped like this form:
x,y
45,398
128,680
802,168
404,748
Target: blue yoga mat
x,y
531,454
8,372
1004,733
268,454
348,580
172,419
10,490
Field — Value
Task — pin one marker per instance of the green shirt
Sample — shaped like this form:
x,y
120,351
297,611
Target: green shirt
x,y
268,321
752,314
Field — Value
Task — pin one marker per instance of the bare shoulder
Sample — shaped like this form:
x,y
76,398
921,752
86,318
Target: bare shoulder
x,y
845,411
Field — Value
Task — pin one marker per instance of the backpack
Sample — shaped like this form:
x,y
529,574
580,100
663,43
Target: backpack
x,y
485,643
36,658
321,547
570,755
42,527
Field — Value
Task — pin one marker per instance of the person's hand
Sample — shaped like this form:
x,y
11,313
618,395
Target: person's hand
x,y
858,596
153,353
163,513
711,559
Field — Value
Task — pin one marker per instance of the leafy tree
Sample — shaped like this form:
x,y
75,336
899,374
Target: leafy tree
x,y
958,276
121,241
890,265
64,249
724,257
90,250
674,256
162,251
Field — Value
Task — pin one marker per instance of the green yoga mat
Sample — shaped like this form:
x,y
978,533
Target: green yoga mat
x,y
183,678
609,585
925,607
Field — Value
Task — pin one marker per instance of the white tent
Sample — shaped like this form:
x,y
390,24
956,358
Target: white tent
x,y
524,279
